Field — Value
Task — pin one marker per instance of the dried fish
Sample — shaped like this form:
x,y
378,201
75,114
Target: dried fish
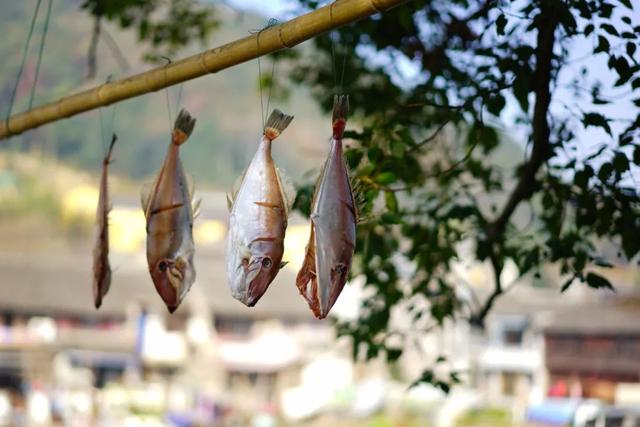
x,y
333,226
101,266
258,220
169,214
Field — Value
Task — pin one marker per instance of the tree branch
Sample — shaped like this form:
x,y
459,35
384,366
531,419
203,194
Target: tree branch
x,y
547,22
93,49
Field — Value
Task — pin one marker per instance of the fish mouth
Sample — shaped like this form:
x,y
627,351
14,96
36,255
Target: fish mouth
x,y
175,276
254,280
169,279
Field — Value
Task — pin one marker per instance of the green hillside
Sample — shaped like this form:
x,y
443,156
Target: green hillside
x,y
227,104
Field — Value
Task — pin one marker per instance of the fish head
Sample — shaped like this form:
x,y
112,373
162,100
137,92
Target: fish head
x,y
254,269
172,279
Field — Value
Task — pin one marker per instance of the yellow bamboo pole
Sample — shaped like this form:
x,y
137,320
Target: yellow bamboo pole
x,y
286,35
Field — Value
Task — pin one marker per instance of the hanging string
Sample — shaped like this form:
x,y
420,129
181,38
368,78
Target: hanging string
x,y
24,58
337,85
270,24
40,51
166,94
104,139
168,100
271,84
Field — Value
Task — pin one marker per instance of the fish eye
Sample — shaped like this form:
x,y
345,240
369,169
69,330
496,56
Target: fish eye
x,y
162,265
267,263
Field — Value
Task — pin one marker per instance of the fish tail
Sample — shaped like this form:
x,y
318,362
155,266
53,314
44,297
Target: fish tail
x,y
340,111
276,124
183,127
107,158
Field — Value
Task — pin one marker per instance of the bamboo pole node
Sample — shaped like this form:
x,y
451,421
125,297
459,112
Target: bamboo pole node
x,y
373,3
282,42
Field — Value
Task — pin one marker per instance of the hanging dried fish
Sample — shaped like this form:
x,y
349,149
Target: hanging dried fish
x,y
258,220
101,266
333,226
168,209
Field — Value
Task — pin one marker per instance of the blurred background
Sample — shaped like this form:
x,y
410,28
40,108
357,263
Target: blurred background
x,y
539,360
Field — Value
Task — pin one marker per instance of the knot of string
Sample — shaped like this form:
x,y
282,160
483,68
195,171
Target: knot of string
x,y
272,22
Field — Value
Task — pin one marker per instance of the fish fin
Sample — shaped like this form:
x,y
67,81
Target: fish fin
x,y
195,207
145,195
283,263
191,187
234,190
340,111
358,188
306,280
276,124
287,188
229,202
182,127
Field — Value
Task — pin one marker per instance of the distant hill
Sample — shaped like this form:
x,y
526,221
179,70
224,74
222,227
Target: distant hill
x,y
227,104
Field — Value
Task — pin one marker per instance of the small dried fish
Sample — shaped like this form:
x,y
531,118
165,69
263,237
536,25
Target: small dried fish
x,y
169,213
101,266
333,226
258,220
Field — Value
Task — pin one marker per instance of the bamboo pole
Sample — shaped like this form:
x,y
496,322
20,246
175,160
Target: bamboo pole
x,y
272,39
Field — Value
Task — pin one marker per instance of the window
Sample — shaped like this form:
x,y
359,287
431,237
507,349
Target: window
x,y
513,336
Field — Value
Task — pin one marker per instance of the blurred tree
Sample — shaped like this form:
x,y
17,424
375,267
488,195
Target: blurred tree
x,y
165,25
428,149
430,153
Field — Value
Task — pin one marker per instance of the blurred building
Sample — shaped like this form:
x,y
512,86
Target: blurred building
x,y
593,351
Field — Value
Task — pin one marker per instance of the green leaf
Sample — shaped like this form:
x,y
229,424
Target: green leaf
x,y
393,354
620,162
636,155
374,154
588,29
596,119
390,218
501,22
353,158
631,48
609,29
600,262
398,149
626,3
598,282
603,45
391,201
581,177
386,178
367,170
495,104
605,172
567,284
